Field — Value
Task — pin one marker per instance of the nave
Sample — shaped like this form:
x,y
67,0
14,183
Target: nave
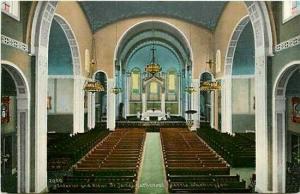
x,y
132,160
150,96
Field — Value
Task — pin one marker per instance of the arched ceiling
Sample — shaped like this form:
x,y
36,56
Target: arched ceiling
x,y
149,31
156,37
201,13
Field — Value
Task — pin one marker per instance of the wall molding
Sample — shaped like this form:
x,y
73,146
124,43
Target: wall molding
x,y
288,44
60,77
14,43
242,76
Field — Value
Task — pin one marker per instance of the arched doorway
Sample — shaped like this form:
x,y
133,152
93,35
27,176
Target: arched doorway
x,y
285,125
15,133
206,99
101,99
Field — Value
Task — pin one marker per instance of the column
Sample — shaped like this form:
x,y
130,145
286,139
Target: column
x,y
93,111
127,94
41,86
279,144
227,105
111,102
78,105
89,107
212,109
144,104
23,139
163,105
195,104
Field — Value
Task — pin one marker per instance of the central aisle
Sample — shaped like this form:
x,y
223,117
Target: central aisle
x,y
152,177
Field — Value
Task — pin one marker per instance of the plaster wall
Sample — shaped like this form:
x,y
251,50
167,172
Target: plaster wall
x,y
17,30
107,38
243,112
61,92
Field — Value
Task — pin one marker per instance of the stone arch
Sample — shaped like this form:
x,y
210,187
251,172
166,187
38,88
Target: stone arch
x,y
78,94
23,125
211,98
178,33
72,42
259,17
40,43
168,28
228,65
279,125
92,102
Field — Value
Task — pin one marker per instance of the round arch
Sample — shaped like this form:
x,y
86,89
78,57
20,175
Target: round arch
x,y
279,125
159,24
228,65
78,95
23,124
259,18
92,102
212,116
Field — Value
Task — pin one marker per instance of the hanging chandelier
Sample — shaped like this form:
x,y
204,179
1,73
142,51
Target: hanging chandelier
x,y
210,85
153,67
93,86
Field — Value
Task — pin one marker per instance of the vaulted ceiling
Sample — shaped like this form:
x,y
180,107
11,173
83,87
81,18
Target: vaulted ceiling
x,y
202,13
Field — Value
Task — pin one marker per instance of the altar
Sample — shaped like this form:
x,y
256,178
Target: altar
x,y
153,113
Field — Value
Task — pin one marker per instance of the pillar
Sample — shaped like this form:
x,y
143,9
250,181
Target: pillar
x,y
111,103
89,107
163,105
93,111
144,103
227,105
279,144
195,104
78,105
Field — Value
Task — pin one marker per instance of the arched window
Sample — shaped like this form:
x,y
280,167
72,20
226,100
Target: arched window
x,y
87,60
135,81
171,81
153,88
290,9
218,61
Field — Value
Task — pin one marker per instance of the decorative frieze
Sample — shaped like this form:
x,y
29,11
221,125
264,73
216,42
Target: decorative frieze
x,y
288,44
14,43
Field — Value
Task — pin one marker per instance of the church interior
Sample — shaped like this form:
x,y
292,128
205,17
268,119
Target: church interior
x,y
150,97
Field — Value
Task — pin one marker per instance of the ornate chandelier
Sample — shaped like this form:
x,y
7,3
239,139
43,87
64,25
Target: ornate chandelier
x,y
210,85
153,67
93,86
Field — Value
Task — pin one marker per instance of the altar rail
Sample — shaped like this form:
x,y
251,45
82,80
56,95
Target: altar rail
x,y
151,124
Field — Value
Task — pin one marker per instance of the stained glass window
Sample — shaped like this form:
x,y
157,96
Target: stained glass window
x,y
218,61
153,87
135,79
